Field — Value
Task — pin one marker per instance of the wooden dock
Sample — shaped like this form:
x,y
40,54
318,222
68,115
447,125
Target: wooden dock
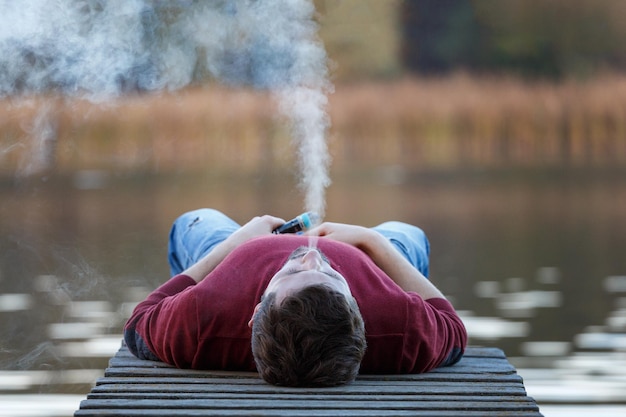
x,y
483,383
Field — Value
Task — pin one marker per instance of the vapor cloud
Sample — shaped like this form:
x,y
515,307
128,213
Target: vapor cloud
x,y
99,49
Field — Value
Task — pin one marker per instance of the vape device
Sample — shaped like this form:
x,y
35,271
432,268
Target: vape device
x,y
299,224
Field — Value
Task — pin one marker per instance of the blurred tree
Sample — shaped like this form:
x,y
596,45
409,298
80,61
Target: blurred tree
x,y
439,35
550,38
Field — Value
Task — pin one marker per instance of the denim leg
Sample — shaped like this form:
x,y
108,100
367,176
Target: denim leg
x,y
410,241
196,233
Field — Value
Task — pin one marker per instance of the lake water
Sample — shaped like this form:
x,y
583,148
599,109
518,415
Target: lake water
x,y
533,260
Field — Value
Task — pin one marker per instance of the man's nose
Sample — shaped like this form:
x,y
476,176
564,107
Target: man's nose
x,y
312,259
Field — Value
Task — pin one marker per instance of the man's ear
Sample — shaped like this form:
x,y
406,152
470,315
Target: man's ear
x,y
256,308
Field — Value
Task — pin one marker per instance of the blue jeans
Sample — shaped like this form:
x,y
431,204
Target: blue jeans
x,y
196,233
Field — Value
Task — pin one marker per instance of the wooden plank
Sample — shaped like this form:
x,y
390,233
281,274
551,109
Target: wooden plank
x,y
378,389
447,397
209,378
466,365
483,383
302,413
471,351
271,404
483,352
174,372
477,361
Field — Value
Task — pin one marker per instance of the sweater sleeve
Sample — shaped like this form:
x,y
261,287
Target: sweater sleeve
x,y
159,329
436,334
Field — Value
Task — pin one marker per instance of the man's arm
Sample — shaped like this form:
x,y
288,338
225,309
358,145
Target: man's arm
x,y
158,328
258,226
142,332
383,253
436,327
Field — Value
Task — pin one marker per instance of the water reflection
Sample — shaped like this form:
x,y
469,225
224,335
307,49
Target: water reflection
x,y
589,369
535,265
493,328
15,302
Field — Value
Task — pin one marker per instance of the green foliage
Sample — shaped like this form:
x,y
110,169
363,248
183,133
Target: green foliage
x,y
545,38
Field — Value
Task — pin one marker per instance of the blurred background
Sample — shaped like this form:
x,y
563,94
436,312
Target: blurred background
x,y
498,127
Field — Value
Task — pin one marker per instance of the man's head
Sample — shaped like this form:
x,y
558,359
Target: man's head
x,y
308,330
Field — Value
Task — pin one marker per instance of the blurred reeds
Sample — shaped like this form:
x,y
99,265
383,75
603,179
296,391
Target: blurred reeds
x,y
437,123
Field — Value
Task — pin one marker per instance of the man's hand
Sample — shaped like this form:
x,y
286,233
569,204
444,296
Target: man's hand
x,y
256,227
346,233
383,253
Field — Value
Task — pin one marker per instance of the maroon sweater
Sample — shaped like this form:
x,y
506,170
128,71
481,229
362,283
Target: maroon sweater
x,y
205,325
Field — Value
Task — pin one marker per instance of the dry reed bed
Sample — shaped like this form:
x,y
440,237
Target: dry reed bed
x,y
416,123
471,121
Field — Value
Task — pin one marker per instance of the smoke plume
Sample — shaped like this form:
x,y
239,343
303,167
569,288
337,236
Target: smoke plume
x,y
99,50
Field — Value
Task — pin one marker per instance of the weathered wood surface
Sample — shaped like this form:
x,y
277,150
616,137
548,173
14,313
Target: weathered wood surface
x,y
483,383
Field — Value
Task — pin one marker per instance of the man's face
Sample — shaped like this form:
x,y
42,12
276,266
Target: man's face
x,y
306,266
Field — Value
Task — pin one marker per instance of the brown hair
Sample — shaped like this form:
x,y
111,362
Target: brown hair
x,y
314,338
